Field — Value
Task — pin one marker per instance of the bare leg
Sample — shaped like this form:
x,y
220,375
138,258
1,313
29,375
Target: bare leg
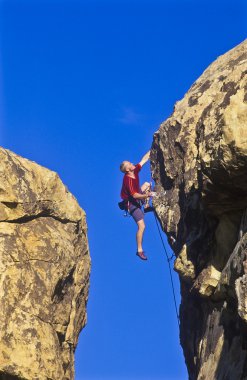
x,y
145,188
139,234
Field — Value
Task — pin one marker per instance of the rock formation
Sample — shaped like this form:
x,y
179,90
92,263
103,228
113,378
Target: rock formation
x,y
44,272
199,164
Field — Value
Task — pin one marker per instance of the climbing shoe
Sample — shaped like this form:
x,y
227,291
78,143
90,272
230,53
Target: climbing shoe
x,y
141,255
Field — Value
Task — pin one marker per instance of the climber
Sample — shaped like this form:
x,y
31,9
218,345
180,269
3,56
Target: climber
x,y
133,196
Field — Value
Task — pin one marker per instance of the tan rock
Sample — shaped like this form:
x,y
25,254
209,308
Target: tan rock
x,y
207,281
241,291
199,164
44,272
245,266
209,367
184,266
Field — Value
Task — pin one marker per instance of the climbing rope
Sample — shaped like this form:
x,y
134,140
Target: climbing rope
x,y
169,265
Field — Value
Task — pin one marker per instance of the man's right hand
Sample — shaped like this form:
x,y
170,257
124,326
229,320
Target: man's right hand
x,y
150,194
142,196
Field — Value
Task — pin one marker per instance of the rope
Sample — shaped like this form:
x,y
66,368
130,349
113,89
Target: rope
x,y
169,265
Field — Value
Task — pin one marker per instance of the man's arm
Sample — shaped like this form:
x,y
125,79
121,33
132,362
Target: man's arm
x,y
141,196
145,158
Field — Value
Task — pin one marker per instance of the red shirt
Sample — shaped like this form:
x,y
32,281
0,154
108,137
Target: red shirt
x,y
131,185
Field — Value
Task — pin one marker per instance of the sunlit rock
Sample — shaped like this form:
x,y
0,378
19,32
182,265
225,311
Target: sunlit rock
x,y
199,164
207,281
184,266
44,272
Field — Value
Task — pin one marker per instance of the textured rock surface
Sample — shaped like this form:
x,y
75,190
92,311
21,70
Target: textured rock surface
x,y
199,164
44,272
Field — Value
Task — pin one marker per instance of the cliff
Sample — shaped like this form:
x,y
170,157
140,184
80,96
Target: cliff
x,y
199,164
44,272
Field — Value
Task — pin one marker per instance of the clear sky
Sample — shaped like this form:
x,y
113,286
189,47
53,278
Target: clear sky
x,y
83,86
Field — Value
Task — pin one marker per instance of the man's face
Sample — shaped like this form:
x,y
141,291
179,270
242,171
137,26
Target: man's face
x,y
129,166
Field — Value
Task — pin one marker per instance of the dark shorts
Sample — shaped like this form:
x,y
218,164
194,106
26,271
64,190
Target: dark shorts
x,y
138,214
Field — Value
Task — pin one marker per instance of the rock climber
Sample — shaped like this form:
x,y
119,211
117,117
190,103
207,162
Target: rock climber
x,y
134,196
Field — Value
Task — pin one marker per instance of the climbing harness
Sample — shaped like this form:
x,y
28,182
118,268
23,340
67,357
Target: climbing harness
x,y
125,204
169,259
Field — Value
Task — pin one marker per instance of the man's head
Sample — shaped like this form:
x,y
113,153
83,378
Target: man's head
x,y
127,167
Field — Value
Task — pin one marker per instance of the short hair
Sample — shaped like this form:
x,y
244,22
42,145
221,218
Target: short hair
x,y
123,166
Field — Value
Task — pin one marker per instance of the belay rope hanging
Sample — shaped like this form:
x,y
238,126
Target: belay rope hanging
x,y
169,265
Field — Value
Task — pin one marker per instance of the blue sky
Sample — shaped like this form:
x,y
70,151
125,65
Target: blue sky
x,y
83,86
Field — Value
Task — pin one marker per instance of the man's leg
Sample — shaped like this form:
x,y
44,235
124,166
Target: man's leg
x,y
145,188
139,234
138,217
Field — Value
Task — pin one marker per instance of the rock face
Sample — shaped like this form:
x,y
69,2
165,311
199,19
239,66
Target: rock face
x,y
199,164
44,272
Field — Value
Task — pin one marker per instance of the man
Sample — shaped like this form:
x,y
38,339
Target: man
x,y
134,195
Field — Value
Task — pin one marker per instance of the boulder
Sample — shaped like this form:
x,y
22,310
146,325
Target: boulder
x,y
199,164
44,272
